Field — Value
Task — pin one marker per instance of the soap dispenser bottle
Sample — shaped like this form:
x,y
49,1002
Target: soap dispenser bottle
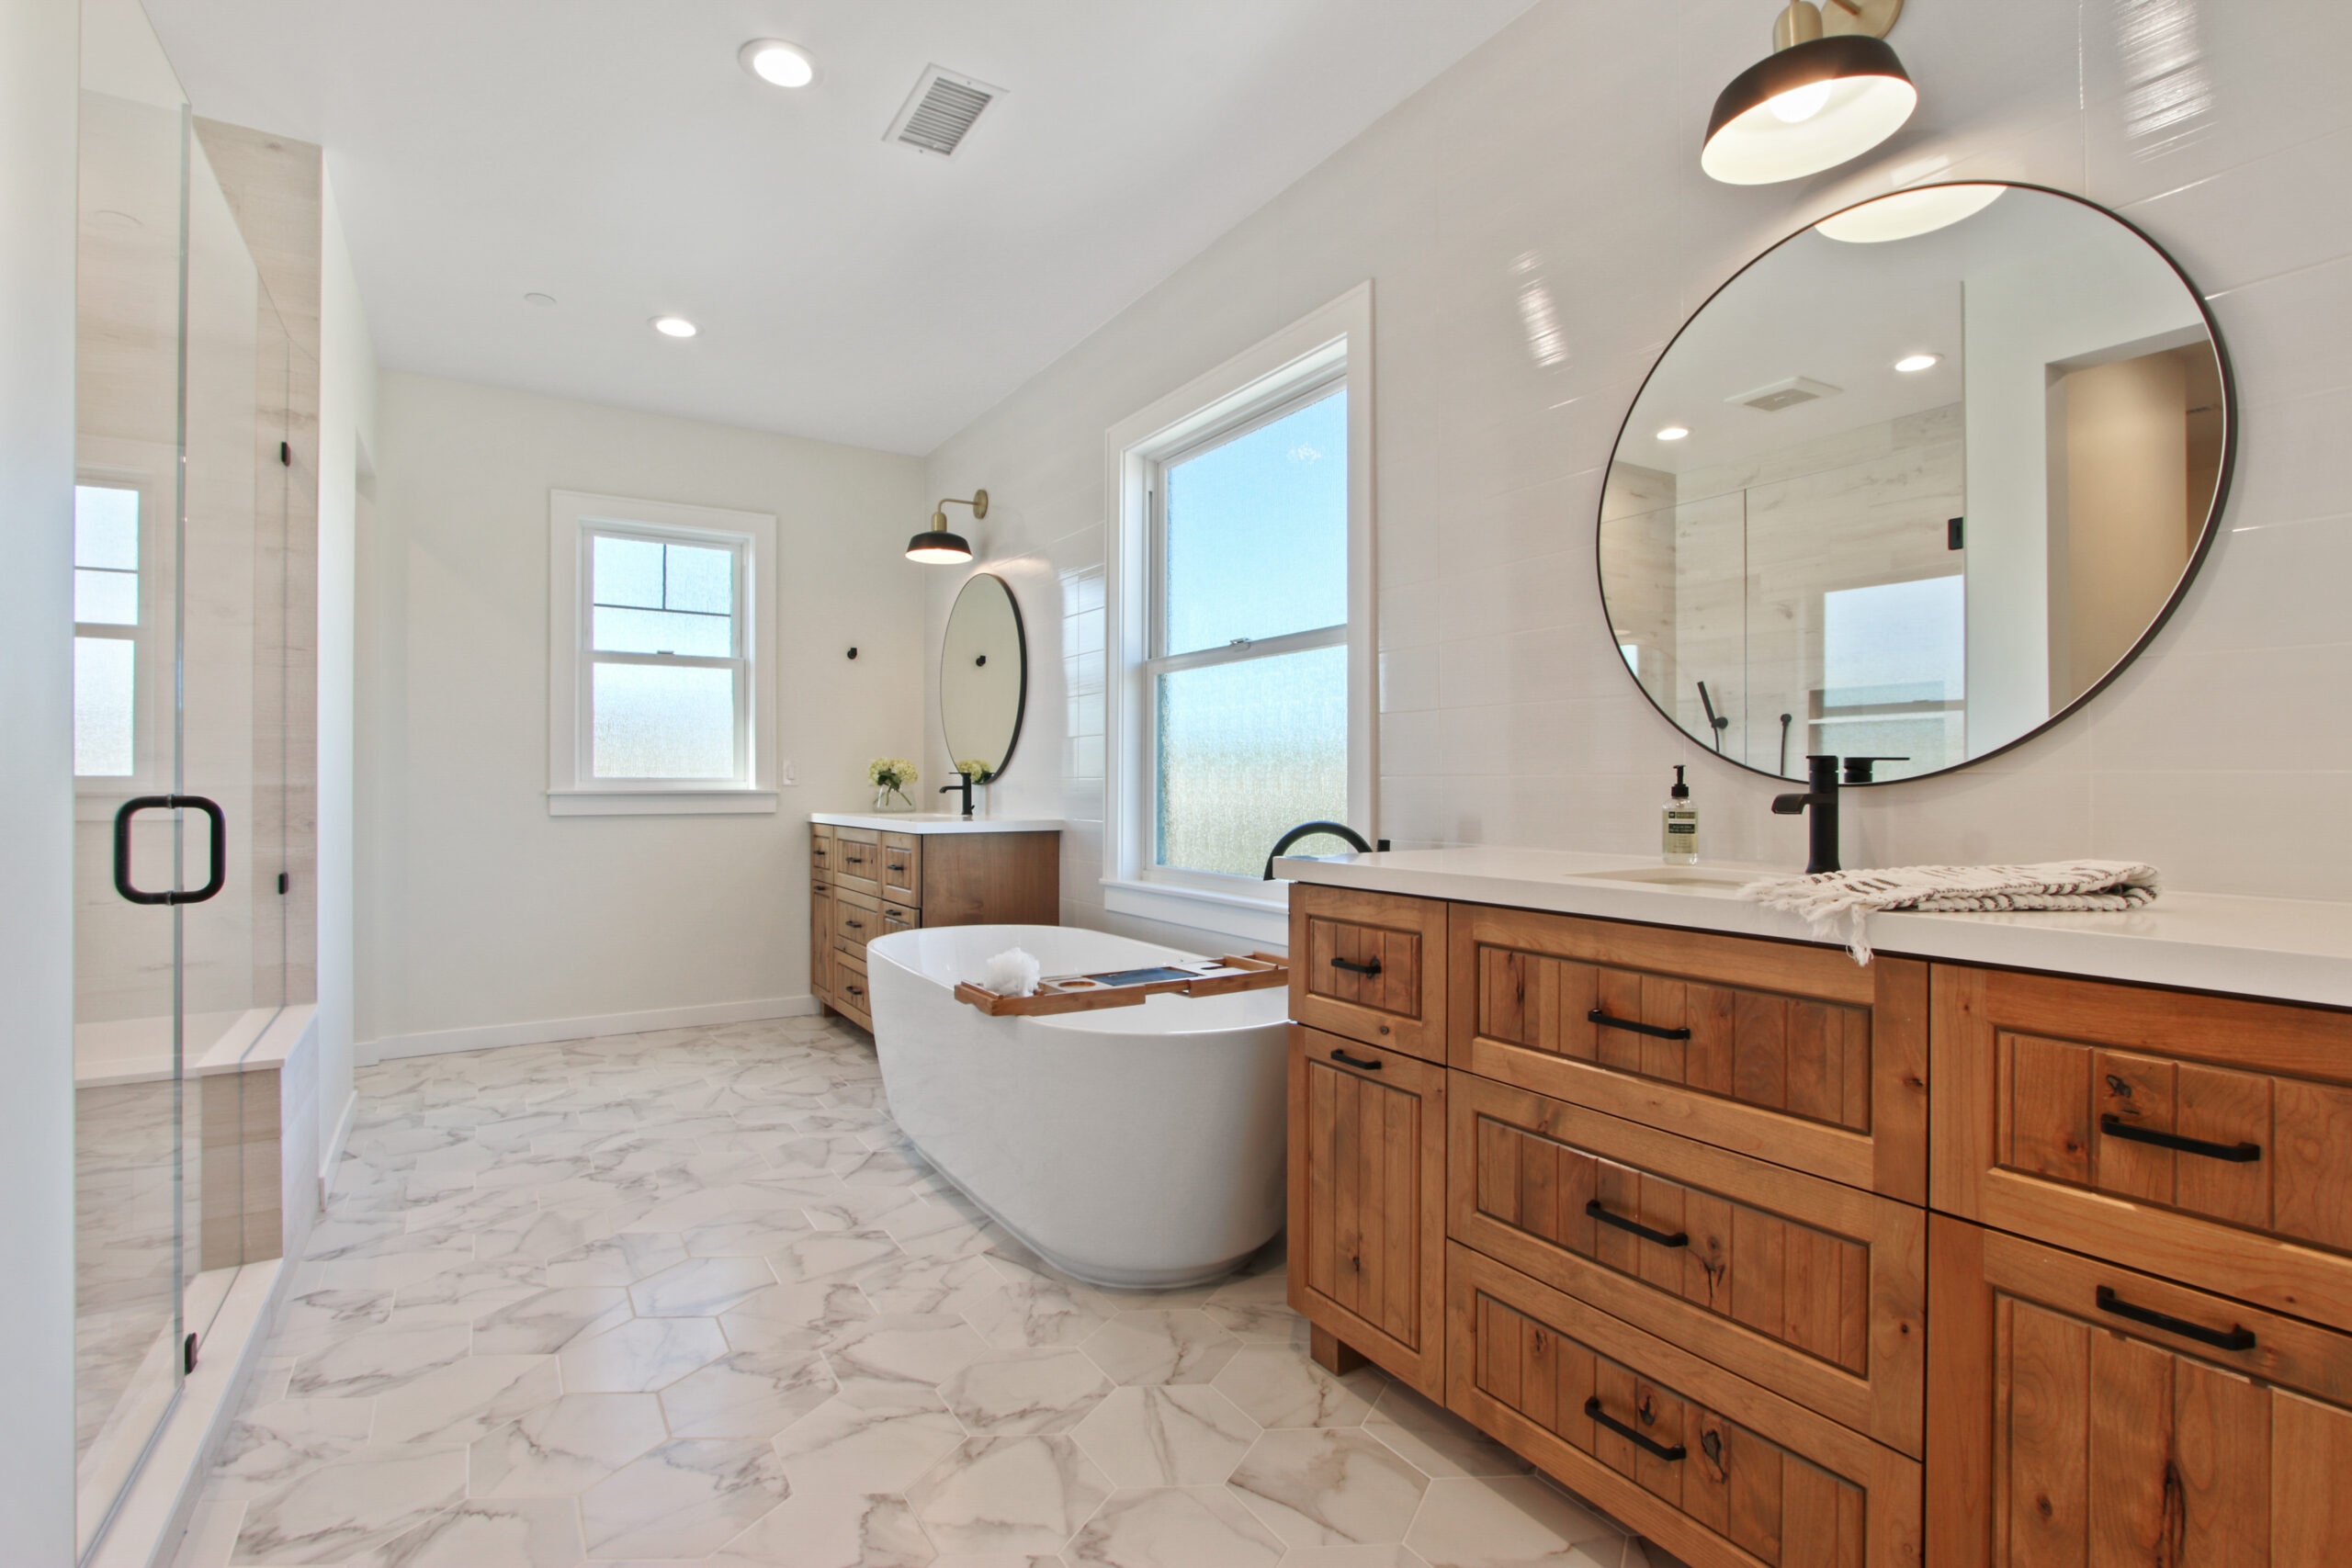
x,y
1681,839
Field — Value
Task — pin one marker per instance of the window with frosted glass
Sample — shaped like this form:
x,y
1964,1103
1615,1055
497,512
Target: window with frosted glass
x,y
1248,665
106,629
667,691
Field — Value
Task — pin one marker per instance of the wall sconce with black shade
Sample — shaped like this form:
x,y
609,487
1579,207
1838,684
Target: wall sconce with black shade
x,y
1831,90
936,546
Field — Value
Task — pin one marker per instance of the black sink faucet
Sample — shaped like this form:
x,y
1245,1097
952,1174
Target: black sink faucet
x,y
1307,831
964,783
1821,799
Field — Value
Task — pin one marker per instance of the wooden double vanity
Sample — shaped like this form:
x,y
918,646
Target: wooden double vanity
x,y
1786,1260
872,875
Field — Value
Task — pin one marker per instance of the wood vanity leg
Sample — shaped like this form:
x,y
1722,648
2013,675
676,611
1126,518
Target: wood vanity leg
x,y
1330,1355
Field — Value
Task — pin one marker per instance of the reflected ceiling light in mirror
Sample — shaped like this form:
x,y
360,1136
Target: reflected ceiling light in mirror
x,y
675,326
1673,433
1912,364
1831,90
777,62
936,546
1907,213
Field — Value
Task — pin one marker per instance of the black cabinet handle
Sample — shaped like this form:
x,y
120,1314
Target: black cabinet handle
x,y
1647,1442
854,990
1678,1238
1352,968
855,925
1603,1019
218,870
2236,1154
1352,1062
2235,1337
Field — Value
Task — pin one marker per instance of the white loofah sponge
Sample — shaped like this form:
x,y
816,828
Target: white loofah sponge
x,y
1012,974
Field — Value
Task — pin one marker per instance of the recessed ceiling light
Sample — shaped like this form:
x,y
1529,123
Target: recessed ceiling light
x,y
1915,362
673,326
1673,433
534,297
775,62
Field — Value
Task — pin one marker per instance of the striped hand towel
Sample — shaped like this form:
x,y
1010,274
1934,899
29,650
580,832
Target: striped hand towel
x,y
1853,895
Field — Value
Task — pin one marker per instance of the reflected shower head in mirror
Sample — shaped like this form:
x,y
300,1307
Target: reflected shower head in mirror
x,y
1933,493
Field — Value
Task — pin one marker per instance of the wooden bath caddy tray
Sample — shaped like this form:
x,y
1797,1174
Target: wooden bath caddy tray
x,y
1128,987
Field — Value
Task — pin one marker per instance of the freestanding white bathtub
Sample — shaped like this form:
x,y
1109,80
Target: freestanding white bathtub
x,y
1137,1147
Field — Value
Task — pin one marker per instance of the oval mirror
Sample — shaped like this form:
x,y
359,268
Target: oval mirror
x,y
983,676
1917,481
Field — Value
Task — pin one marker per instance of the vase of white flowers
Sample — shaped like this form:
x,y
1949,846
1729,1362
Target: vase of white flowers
x,y
978,770
890,777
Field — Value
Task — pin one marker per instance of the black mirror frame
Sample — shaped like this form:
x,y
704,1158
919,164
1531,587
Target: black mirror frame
x,y
1020,641
2157,623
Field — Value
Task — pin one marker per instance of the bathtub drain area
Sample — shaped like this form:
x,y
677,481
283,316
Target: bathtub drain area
x,y
689,1298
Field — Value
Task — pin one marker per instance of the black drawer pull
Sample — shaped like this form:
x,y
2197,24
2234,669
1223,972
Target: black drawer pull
x,y
1678,1238
1647,1442
2235,1337
2236,1154
1603,1019
854,990
896,866
855,925
1352,1062
1354,968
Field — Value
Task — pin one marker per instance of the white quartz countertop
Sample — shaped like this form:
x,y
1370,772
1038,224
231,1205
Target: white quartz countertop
x,y
2294,950
935,822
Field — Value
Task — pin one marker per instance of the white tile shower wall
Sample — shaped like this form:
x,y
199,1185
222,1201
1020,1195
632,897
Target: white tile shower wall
x,y
1536,228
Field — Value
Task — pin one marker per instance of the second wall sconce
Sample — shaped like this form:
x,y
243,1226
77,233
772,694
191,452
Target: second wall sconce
x,y
1831,90
936,546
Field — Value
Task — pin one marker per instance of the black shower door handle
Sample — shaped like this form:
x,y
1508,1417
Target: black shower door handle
x,y
219,856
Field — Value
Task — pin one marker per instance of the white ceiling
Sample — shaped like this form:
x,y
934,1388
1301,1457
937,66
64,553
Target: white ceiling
x,y
612,153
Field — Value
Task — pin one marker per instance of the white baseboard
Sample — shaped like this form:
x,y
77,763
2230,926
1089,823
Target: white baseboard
x,y
543,1032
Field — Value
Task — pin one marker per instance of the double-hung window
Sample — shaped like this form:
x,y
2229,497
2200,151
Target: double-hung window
x,y
1243,625
656,700
108,677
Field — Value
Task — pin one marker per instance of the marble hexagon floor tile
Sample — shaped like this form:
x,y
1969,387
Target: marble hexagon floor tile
x,y
688,1299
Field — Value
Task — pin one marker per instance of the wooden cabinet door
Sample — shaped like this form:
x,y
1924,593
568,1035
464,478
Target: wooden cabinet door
x,y
1781,1051
1710,1466
2204,1138
1810,1288
900,868
820,940
1367,1202
1371,966
857,860
2087,1415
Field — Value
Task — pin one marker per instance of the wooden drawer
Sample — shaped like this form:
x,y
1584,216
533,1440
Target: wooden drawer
x,y
822,922
1371,966
857,919
1367,1202
2069,1428
849,992
820,849
1733,1474
2202,1138
900,868
1781,1051
857,860
899,917
1815,1290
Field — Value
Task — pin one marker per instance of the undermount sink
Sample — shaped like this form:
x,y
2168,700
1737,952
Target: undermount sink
x,y
1674,876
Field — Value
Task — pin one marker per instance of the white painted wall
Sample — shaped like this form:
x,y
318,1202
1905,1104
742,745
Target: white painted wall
x,y
1562,157
39,46
347,439
478,911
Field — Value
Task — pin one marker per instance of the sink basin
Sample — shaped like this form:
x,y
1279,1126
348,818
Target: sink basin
x,y
1674,876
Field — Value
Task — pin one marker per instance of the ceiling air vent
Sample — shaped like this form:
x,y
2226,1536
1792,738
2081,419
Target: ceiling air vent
x,y
940,111
1786,394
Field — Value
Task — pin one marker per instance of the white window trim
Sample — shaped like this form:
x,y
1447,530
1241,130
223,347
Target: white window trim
x,y
1273,372
571,791
96,796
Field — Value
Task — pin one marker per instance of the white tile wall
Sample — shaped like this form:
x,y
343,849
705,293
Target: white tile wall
x,y
1564,156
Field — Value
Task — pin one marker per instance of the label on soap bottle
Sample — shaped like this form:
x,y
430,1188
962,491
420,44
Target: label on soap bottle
x,y
1681,832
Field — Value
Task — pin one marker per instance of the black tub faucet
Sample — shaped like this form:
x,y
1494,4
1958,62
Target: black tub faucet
x,y
1307,831
964,783
1821,799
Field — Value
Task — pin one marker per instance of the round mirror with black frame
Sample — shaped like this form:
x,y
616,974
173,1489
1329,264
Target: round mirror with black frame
x,y
983,677
1916,482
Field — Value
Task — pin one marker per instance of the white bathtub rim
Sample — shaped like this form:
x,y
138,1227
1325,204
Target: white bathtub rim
x,y
1156,1008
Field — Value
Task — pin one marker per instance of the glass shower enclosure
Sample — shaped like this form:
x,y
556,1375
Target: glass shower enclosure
x,y
184,663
